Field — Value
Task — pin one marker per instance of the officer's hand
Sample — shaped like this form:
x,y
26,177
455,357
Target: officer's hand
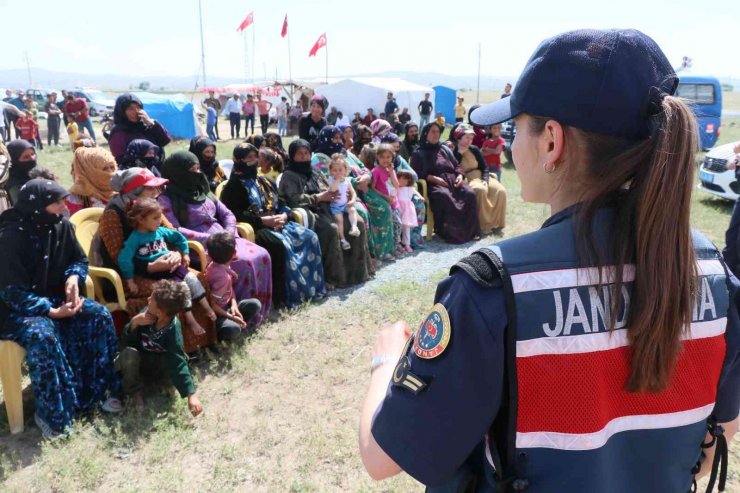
x,y
391,340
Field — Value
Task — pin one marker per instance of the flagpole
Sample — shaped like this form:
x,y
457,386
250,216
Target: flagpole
x,y
290,69
253,52
246,58
326,51
202,45
477,94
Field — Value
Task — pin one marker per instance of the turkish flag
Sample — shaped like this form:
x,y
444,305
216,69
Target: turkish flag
x,y
284,32
321,42
246,22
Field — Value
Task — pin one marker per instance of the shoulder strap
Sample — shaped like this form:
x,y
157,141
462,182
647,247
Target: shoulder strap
x,y
488,269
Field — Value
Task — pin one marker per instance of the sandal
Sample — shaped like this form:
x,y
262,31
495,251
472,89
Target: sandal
x,y
112,405
46,430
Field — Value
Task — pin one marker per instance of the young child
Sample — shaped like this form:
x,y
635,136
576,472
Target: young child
x,y
73,131
231,317
153,343
385,183
345,199
407,211
492,148
211,121
27,127
146,243
270,163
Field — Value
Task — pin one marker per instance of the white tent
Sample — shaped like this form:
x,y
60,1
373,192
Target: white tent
x,y
357,94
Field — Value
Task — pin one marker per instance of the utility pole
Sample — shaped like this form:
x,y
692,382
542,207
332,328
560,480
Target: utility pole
x,y
202,44
477,93
28,67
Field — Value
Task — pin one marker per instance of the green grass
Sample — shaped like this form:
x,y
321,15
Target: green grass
x,y
281,409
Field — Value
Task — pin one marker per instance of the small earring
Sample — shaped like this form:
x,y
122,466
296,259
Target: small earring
x,y
549,171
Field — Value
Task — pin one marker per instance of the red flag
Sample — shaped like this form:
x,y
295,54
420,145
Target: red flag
x,y
321,42
246,22
284,32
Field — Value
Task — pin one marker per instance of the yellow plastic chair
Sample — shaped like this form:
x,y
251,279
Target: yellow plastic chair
x,y
220,189
11,358
430,216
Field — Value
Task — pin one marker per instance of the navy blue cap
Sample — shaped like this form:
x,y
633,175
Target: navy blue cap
x,y
603,81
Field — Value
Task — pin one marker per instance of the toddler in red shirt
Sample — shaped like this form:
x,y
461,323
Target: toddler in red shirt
x,y
27,127
492,148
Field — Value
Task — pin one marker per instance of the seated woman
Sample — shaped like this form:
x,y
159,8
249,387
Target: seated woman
x,y
297,273
363,137
452,200
190,207
380,128
70,341
141,153
275,142
130,122
92,170
205,150
489,192
302,186
22,161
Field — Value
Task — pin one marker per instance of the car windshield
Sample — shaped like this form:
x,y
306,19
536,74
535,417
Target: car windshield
x,y
95,94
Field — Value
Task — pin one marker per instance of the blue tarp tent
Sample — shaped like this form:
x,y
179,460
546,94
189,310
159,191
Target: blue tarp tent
x,y
445,99
173,111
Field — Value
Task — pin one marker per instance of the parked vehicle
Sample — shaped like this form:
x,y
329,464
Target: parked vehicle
x,y
39,95
508,132
714,176
97,101
705,95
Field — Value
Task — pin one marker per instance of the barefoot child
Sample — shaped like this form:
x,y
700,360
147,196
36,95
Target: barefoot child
x,y
231,317
345,200
406,208
385,183
147,242
153,345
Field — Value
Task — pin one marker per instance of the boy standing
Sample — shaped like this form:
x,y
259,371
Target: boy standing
x,y
492,148
211,119
27,127
153,343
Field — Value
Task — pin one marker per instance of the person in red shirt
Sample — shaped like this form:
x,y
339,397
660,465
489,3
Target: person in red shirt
x,y
370,117
27,127
264,110
492,148
77,108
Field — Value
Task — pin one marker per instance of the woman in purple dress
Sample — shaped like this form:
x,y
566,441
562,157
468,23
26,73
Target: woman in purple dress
x,y
131,122
191,208
453,201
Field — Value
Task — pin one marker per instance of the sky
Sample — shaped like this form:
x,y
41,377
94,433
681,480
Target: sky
x,y
162,37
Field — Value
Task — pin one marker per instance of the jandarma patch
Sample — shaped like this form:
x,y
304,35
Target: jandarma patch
x,y
433,336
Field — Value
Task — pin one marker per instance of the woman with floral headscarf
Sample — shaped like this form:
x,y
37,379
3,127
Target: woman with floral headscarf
x,y
141,153
380,128
297,272
489,192
191,208
130,122
92,169
307,188
70,341
452,200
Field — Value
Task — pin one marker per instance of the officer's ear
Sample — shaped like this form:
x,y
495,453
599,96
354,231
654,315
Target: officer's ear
x,y
554,141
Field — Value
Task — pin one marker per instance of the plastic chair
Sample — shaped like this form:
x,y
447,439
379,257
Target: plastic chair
x,y
220,189
11,358
430,215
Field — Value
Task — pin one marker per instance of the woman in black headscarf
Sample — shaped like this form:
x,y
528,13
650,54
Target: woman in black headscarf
x,y
130,122
410,141
297,272
452,200
205,150
70,341
140,153
364,137
22,161
303,186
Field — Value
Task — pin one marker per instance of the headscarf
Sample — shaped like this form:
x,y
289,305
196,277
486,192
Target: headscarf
x,y
408,143
390,138
120,120
423,143
120,181
379,128
206,167
135,152
360,142
90,178
325,144
460,130
244,170
453,134
185,187
275,142
56,238
480,133
194,141
300,167
255,140
19,169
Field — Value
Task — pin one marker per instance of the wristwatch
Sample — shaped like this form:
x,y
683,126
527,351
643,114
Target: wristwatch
x,y
378,361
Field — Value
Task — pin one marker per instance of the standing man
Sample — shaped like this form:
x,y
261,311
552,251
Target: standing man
x,y
216,105
425,111
264,109
54,118
248,109
507,91
282,115
370,117
391,107
233,108
331,118
460,110
78,110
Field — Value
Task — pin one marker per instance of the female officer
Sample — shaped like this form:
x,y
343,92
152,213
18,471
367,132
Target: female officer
x,y
599,353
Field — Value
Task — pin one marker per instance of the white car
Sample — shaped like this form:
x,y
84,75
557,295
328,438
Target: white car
x,y
97,101
714,176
